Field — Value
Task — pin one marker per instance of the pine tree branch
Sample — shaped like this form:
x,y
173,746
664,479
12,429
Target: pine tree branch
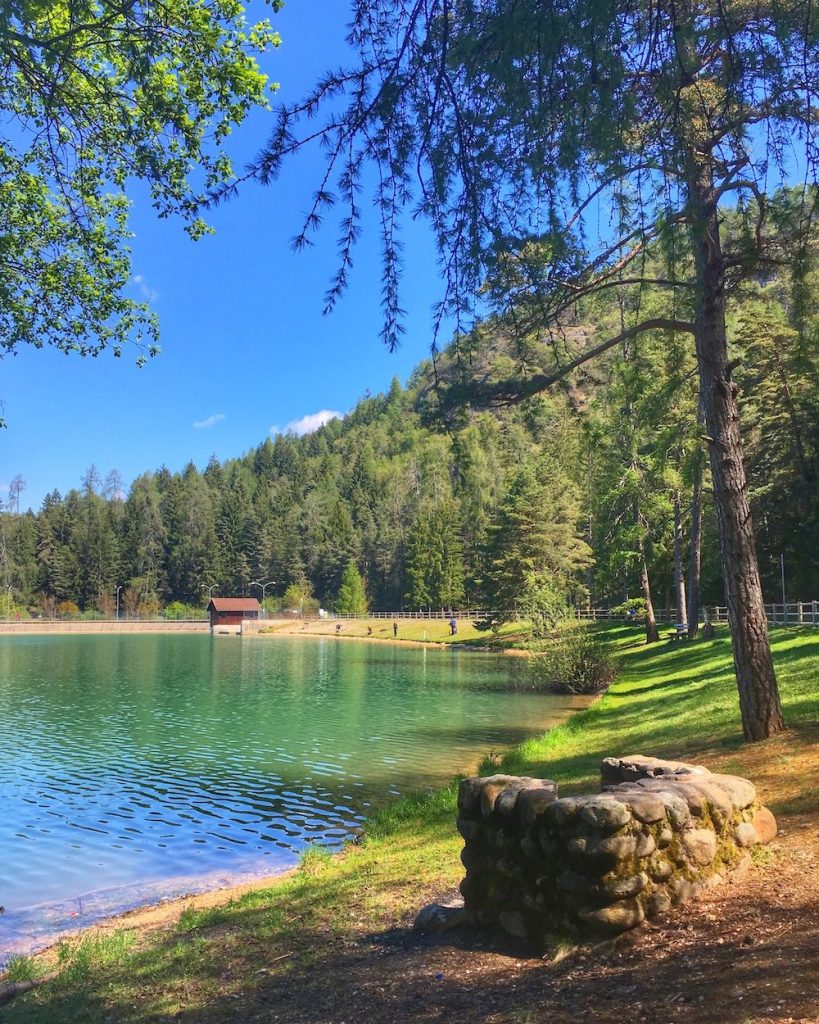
x,y
514,390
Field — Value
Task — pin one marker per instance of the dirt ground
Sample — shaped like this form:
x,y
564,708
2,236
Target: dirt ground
x,y
745,952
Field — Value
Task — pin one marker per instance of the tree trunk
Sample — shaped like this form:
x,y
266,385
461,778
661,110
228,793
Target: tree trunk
x,y
758,693
652,633
694,555
679,576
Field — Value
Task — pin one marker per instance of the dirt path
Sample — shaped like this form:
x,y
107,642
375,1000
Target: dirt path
x,y
747,952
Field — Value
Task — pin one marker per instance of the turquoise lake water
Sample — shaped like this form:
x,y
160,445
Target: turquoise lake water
x,y
139,767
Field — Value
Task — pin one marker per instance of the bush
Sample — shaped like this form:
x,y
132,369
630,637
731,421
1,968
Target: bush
x,y
634,609
297,599
543,604
68,610
572,660
148,607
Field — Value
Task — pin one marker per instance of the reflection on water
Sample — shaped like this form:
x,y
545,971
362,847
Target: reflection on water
x,y
132,766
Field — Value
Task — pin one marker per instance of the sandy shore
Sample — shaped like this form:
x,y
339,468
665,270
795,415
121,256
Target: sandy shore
x,y
154,915
325,634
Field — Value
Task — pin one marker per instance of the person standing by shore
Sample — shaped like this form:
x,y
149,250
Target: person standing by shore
x,y
395,630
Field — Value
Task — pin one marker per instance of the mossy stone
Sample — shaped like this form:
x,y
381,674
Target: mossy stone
x,y
700,845
617,917
469,795
605,813
623,887
660,869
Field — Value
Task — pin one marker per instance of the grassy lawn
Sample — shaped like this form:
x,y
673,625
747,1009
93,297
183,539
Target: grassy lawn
x,y
676,700
417,630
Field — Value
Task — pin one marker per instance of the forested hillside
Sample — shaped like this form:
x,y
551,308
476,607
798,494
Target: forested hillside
x,y
584,492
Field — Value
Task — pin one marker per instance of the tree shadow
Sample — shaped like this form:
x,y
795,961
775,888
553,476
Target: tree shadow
x,y
395,976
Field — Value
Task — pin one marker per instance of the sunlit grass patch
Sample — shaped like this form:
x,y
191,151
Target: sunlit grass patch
x,y
23,968
314,860
76,958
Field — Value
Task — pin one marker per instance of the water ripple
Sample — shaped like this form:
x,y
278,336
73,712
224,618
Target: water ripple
x,y
130,761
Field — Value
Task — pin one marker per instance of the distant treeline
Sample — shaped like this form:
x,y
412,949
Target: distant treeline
x,y
587,492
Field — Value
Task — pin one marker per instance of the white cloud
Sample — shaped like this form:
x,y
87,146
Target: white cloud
x,y
210,421
148,293
309,423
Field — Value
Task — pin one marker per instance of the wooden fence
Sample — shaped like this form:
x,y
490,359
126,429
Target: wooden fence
x,y
800,613
439,614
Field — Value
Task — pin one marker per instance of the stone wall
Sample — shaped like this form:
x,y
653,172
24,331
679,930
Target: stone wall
x,y
54,627
656,834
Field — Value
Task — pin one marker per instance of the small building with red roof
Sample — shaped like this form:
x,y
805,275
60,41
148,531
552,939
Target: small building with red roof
x,y
228,613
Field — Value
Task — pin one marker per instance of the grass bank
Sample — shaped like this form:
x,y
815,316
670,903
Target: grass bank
x,y
434,631
289,952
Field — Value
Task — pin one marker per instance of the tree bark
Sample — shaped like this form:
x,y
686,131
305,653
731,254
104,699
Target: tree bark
x,y
679,576
758,693
652,633
695,553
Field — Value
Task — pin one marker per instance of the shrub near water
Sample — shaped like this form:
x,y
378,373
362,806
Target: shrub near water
x,y
571,660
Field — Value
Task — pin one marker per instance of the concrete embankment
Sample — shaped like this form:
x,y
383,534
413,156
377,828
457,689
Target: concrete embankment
x,y
38,627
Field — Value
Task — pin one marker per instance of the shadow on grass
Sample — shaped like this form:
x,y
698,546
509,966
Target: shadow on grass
x,y
396,976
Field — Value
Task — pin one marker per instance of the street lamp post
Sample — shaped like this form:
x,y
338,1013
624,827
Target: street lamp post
x,y
209,589
264,586
118,590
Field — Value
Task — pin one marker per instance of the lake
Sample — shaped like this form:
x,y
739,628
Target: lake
x,y
134,768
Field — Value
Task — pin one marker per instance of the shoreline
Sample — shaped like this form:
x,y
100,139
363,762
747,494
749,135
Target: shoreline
x,y
273,629
391,641
147,917
152,910
322,937
46,627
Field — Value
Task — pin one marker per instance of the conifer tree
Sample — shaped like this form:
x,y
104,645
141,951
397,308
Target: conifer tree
x,y
534,538
514,123
352,597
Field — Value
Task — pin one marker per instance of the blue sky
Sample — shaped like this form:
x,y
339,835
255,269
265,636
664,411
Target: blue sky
x,y
245,347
